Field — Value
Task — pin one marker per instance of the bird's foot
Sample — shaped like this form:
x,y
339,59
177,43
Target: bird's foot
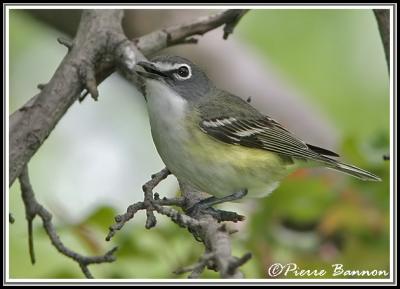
x,y
222,216
205,207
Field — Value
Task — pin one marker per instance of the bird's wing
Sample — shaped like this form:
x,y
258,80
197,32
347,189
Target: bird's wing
x,y
259,131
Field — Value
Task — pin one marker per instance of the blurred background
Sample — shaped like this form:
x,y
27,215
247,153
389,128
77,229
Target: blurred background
x,y
321,73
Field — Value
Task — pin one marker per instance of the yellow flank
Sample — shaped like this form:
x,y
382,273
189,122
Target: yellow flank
x,y
209,149
233,167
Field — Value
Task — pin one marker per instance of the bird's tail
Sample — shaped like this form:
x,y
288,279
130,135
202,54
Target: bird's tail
x,y
353,171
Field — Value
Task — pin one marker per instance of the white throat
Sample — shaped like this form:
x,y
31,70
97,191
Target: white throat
x,y
166,112
164,104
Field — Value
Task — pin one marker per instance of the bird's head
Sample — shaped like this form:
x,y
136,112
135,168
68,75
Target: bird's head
x,y
179,74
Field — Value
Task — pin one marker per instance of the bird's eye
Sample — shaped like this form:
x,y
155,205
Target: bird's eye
x,y
183,71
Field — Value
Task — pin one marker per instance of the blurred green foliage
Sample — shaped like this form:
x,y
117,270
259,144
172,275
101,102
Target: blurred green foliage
x,y
314,219
335,56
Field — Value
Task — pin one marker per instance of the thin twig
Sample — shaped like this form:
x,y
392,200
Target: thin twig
x,y
230,26
41,86
67,43
33,208
197,268
179,34
204,226
120,220
237,262
87,74
147,204
30,239
179,218
148,196
383,19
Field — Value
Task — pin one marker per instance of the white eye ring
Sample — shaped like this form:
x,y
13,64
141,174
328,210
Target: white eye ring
x,y
179,77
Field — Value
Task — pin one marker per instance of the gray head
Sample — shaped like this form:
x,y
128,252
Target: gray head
x,y
179,74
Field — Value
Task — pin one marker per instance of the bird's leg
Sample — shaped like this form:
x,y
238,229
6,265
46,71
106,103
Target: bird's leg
x,y
222,216
211,201
206,206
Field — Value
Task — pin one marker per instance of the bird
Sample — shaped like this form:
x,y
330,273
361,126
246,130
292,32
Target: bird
x,y
218,143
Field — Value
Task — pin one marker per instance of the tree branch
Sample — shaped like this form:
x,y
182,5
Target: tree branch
x,y
98,47
98,36
33,208
157,40
204,227
383,20
216,237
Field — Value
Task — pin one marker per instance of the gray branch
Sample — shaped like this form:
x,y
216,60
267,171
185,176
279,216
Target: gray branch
x,y
157,40
383,21
33,208
204,227
98,36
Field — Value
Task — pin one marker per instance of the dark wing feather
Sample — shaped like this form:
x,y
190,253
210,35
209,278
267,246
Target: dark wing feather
x,y
262,133
322,151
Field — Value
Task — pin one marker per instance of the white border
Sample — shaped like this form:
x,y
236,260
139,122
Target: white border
x,y
6,86
393,235
205,7
266,281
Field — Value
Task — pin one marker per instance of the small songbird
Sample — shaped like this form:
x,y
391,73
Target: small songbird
x,y
218,143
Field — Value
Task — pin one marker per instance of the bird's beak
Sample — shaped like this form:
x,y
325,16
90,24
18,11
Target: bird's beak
x,y
151,71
